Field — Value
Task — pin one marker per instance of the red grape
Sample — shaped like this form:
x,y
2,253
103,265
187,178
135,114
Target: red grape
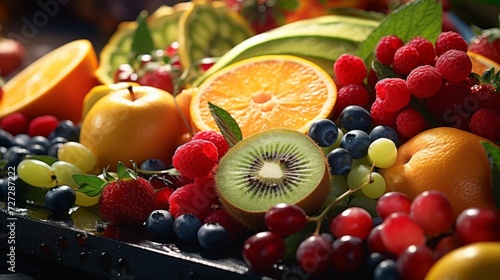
x,y
476,224
263,249
414,262
375,242
354,221
313,254
400,231
348,253
432,211
285,219
446,244
392,202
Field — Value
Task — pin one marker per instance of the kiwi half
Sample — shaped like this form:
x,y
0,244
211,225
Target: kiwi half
x,y
271,167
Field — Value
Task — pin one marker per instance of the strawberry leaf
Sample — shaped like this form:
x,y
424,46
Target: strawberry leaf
x,y
494,156
90,185
415,18
227,125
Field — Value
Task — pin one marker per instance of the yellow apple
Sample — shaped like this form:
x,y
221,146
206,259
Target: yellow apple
x,y
100,91
132,124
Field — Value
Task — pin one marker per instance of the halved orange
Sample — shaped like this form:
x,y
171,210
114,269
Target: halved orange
x,y
55,84
481,63
270,91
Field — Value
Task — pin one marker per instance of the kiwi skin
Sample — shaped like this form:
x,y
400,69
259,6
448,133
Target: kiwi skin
x,y
310,204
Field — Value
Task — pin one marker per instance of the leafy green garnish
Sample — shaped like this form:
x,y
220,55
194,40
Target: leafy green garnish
x,y
227,125
92,185
47,159
494,156
142,43
416,18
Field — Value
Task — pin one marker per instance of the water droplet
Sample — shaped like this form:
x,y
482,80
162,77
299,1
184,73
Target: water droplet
x,y
62,242
81,239
84,257
45,248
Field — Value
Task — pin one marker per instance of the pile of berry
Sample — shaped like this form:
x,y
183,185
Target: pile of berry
x,y
417,85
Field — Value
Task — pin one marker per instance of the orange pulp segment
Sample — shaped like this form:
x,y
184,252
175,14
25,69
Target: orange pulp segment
x,y
264,92
55,84
481,63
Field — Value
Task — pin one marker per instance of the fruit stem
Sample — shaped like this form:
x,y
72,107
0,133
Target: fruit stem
x,y
319,218
131,91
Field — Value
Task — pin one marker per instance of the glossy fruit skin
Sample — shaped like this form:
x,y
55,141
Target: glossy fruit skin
x,y
340,161
262,250
213,236
66,129
159,224
324,132
476,225
383,131
149,108
314,254
127,201
12,54
186,227
432,211
356,142
440,159
487,44
354,221
285,219
355,117
59,199
348,253
153,165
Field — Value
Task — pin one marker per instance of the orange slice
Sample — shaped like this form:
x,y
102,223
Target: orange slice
x,y
55,84
270,91
481,63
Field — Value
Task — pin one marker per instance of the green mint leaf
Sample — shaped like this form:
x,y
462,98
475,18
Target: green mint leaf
x,y
494,157
227,125
419,105
416,18
47,159
142,43
383,71
90,185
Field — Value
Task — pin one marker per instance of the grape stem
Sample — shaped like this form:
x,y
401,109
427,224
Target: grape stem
x,y
319,218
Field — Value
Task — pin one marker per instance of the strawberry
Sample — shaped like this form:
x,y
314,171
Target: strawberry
x,y
487,43
159,77
486,89
125,200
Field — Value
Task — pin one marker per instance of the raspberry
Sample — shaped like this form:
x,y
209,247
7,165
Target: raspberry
x,y
409,123
195,158
424,81
351,94
349,69
161,198
425,49
450,104
393,93
386,47
214,137
406,59
223,218
382,117
15,123
486,123
454,65
196,198
487,96
42,125
450,40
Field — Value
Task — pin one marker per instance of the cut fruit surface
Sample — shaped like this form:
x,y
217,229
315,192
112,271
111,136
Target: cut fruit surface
x,y
272,91
271,167
55,84
481,63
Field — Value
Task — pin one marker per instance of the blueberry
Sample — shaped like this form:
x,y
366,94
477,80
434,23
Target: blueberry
x,y
40,140
386,270
57,140
159,224
355,117
153,165
22,140
54,149
324,132
66,129
60,199
384,131
373,260
340,161
6,139
356,142
15,154
186,227
37,149
212,236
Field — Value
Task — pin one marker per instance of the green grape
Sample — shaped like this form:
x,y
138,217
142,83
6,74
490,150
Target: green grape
x,y
383,152
357,177
366,203
338,186
376,187
78,155
362,161
85,200
64,171
36,173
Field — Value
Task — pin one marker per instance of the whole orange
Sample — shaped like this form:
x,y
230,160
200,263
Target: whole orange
x,y
136,124
446,159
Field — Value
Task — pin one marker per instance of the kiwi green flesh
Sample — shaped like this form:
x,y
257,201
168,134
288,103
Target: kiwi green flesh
x,y
271,167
